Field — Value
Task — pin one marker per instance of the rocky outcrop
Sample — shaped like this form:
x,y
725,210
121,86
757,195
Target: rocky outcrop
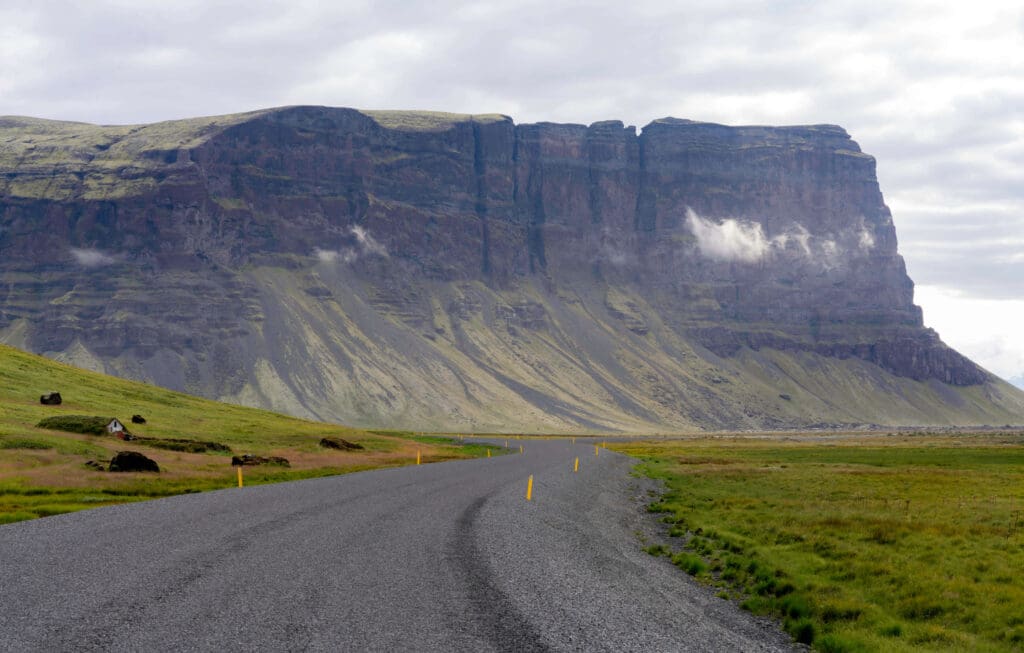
x,y
51,399
397,251
132,461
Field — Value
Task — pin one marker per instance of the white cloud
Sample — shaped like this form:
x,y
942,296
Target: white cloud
x,y
365,245
367,242
803,237
865,239
729,240
22,49
745,241
90,258
345,255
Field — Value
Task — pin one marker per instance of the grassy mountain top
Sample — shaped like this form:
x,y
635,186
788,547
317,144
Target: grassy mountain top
x,y
43,471
37,136
428,120
26,140
61,159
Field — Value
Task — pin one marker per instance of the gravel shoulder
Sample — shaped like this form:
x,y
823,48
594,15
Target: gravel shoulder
x,y
575,570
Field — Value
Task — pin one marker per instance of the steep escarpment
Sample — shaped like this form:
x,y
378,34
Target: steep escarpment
x,y
431,270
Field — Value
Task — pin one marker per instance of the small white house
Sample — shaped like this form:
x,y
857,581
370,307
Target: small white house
x,y
115,426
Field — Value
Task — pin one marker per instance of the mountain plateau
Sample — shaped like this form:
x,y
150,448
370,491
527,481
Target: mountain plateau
x,y
435,271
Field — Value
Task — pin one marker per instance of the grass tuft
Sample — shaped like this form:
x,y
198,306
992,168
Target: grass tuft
x,y
802,630
691,564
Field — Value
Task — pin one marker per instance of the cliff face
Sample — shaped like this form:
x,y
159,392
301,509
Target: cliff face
x,y
437,270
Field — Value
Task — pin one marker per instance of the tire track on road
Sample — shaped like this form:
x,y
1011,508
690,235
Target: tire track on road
x,y
503,625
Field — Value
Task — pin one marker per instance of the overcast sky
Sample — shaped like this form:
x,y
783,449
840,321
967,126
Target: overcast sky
x,y
934,90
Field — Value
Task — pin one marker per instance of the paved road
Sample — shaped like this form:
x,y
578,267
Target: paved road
x,y
442,557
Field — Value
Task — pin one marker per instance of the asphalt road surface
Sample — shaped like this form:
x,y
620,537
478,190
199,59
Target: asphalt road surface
x,y
441,557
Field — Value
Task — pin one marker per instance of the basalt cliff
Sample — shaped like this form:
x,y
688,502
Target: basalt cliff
x,y
440,271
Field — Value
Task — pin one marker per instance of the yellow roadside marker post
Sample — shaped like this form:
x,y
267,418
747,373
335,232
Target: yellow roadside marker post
x,y
239,475
417,456
597,450
520,448
529,488
576,465
488,453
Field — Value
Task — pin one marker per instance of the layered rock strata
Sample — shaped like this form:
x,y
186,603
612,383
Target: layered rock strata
x,y
345,264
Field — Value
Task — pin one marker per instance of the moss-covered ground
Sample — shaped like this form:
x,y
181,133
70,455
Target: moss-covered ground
x,y
898,543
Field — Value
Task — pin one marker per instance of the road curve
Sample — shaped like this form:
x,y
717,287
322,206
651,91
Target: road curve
x,y
441,557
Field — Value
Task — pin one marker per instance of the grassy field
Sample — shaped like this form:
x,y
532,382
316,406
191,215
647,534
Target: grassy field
x,y
43,471
885,543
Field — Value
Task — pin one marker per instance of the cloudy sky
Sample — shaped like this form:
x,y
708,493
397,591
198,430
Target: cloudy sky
x,y
935,90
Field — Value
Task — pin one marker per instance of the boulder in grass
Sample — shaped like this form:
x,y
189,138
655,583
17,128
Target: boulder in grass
x,y
339,443
138,419
249,460
50,399
132,461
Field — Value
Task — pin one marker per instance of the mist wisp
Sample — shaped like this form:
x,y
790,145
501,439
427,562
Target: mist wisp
x,y
745,241
365,244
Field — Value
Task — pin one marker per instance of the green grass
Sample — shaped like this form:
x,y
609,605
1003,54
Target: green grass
x,y
870,544
427,120
43,449
87,424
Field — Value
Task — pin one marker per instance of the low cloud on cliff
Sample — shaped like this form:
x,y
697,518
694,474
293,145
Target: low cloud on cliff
x,y
90,258
744,241
364,245
729,240
367,243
